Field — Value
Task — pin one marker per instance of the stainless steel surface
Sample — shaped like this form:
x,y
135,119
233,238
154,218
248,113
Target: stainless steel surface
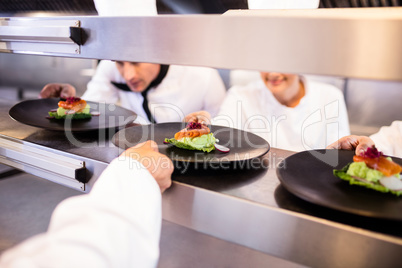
x,y
36,36
354,42
30,73
26,204
16,150
40,162
292,236
183,247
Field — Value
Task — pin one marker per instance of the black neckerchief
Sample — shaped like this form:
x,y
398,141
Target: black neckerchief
x,y
162,73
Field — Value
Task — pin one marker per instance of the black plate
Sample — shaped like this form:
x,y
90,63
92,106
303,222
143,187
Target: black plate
x,y
34,113
309,176
243,145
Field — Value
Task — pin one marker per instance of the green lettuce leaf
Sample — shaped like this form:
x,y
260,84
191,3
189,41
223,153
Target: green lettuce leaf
x,y
342,174
61,114
361,170
205,143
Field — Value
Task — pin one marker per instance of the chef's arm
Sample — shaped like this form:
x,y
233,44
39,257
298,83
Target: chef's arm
x,y
116,225
352,142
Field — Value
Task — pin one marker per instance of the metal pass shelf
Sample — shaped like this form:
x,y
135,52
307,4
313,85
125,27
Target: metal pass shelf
x,y
354,42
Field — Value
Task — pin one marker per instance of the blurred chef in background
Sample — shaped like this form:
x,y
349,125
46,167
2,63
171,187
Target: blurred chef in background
x,y
288,110
156,93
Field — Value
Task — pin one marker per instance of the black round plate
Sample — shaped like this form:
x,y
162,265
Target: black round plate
x,y
35,112
243,145
309,176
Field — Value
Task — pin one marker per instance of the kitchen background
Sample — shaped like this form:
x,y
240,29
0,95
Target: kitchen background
x,y
26,201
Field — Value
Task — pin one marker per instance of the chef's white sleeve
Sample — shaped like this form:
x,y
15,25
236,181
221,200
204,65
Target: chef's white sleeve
x,y
389,139
230,113
116,225
100,88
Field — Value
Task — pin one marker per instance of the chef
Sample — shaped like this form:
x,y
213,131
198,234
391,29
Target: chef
x,y
288,110
156,93
117,224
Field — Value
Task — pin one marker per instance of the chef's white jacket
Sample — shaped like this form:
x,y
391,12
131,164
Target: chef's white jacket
x,y
318,120
389,139
116,225
185,89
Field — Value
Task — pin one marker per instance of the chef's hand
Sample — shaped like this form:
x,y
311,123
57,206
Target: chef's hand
x,y
55,90
202,117
352,142
159,165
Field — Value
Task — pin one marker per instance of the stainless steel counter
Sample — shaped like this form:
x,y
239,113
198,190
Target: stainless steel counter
x,y
241,204
350,42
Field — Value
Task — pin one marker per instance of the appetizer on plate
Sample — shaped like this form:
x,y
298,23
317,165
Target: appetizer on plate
x,y
195,136
373,170
71,108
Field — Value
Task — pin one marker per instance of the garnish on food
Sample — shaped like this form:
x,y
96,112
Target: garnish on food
x,y
373,170
195,136
71,108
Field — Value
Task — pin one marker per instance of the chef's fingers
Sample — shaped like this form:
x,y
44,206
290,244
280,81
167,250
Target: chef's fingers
x,y
346,143
190,118
50,91
159,165
203,120
67,91
202,117
147,145
352,142
363,144
150,144
162,172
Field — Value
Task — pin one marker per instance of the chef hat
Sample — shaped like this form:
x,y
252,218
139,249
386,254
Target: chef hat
x,y
126,7
283,4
